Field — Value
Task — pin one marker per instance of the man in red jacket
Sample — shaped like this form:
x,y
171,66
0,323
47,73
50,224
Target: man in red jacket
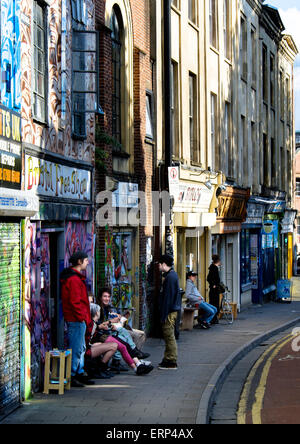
x,y
76,309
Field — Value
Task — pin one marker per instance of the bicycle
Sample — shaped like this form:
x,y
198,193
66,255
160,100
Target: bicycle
x,y
226,308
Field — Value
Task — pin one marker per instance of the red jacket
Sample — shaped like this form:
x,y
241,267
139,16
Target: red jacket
x,y
75,301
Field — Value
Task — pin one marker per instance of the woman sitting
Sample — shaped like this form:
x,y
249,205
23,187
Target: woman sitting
x,y
99,335
108,313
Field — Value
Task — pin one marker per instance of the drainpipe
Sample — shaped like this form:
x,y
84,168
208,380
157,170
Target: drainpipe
x,y
167,89
169,233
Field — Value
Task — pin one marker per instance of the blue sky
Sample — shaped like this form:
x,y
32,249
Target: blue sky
x,y
290,14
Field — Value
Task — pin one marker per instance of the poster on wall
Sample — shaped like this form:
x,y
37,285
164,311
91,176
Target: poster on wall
x,y
270,234
80,236
119,268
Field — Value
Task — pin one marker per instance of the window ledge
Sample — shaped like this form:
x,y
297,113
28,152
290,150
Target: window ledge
x,y
121,154
79,137
40,121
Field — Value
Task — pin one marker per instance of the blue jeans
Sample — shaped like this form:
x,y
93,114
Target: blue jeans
x,y
76,334
125,336
209,312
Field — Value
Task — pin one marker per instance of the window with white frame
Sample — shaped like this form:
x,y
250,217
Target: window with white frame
x,y
194,151
244,49
40,62
85,90
192,11
214,147
227,28
175,107
149,116
213,23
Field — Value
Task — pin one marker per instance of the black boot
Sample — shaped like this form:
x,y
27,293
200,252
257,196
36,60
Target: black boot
x,y
139,354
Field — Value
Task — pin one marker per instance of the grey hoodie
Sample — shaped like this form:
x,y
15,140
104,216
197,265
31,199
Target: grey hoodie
x,y
192,293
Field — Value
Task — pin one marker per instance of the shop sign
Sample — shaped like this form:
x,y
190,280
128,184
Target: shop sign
x,y
278,207
51,179
233,205
126,196
17,203
10,149
189,196
192,197
255,214
287,223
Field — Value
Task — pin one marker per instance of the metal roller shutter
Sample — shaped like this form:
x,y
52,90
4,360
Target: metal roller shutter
x,y
9,317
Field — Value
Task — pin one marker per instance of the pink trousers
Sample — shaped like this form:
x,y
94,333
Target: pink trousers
x,y
123,350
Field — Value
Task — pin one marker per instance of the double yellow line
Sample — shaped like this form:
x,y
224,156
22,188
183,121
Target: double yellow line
x,y
257,406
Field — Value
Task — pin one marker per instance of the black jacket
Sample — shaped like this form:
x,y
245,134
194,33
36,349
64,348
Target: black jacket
x,y
213,277
170,299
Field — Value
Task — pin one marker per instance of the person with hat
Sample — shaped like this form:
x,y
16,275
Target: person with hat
x,y
77,315
170,304
208,312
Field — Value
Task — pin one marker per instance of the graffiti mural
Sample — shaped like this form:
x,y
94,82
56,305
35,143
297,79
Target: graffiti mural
x,y
36,304
10,279
11,54
60,97
80,236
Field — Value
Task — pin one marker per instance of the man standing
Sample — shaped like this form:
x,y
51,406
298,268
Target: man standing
x,y
194,297
170,304
76,310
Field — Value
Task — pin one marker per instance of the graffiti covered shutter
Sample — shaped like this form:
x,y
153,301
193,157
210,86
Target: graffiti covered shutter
x,y
9,317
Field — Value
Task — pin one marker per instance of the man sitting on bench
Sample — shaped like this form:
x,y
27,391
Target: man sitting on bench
x,y
208,312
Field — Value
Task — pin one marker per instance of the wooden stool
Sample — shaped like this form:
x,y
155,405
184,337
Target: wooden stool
x,y
54,380
188,318
234,310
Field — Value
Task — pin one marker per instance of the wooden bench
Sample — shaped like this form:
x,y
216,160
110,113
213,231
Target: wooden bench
x,y
57,371
188,318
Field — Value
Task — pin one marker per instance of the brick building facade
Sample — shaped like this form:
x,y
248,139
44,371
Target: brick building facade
x,y
124,150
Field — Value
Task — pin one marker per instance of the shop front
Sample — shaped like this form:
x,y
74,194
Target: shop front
x,y
63,225
226,237
122,267
271,248
251,252
15,205
193,217
288,243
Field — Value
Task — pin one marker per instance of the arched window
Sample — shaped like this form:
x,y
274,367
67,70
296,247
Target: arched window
x,y
118,19
117,47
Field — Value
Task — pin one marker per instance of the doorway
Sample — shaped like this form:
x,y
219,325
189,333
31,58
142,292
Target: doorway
x,y
50,282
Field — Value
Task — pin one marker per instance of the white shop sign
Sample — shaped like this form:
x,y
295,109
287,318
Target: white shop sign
x,y
51,179
189,196
17,203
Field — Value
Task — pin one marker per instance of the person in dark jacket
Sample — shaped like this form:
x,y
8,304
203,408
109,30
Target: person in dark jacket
x,y
170,304
77,315
214,281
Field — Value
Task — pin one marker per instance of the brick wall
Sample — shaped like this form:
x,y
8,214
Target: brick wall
x,y
143,151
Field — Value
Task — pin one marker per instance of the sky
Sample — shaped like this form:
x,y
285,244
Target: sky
x,y
290,14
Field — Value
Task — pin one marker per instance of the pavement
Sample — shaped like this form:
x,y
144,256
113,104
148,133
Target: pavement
x,y
164,397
